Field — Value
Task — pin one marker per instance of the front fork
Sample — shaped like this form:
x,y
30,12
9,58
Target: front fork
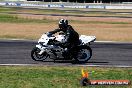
x,y
42,51
41,48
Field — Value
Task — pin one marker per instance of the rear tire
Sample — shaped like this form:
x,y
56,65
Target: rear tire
x,y
35,56
84,54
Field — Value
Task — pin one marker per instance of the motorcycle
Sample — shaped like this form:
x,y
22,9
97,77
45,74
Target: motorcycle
x,y
47,49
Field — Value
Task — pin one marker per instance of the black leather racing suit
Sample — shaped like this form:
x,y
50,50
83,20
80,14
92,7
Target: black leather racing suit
x,y
71,36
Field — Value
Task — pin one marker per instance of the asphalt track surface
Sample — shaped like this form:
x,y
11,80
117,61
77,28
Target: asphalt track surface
x,y
108,54
73,15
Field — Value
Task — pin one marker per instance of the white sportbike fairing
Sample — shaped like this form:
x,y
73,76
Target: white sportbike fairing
x,y
47,49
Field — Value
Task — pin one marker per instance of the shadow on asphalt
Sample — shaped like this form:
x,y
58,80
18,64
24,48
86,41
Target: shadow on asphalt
x,y
74,62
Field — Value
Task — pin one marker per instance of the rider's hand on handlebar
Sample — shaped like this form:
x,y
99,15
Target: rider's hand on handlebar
x,y
49,34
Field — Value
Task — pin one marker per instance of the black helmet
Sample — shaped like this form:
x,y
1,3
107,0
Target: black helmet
x,y
63,23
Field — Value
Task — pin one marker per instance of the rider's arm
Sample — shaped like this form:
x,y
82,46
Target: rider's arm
x,y
55,31
50,33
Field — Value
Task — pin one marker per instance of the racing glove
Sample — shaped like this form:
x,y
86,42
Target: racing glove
x,y
49,34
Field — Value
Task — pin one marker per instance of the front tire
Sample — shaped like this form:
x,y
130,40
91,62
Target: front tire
x,y
35,55
84,54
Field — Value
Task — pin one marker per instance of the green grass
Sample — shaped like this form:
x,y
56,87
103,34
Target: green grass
x,y
6,18
15,19
10,18
57,77
3,9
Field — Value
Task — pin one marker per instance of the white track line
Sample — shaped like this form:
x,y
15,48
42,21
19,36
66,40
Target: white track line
x,y
121,66
106,66
37,40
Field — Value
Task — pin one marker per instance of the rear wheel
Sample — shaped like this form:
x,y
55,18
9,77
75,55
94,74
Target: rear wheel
x,y
84,54
36,56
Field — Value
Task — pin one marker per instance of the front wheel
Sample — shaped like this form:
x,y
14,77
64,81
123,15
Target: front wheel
x,y
36,56
84,54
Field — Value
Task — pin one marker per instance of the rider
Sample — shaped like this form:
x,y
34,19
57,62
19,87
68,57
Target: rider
x,y
71,36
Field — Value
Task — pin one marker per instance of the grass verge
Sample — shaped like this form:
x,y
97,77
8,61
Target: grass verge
x,y
28,26
57,77
6,18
